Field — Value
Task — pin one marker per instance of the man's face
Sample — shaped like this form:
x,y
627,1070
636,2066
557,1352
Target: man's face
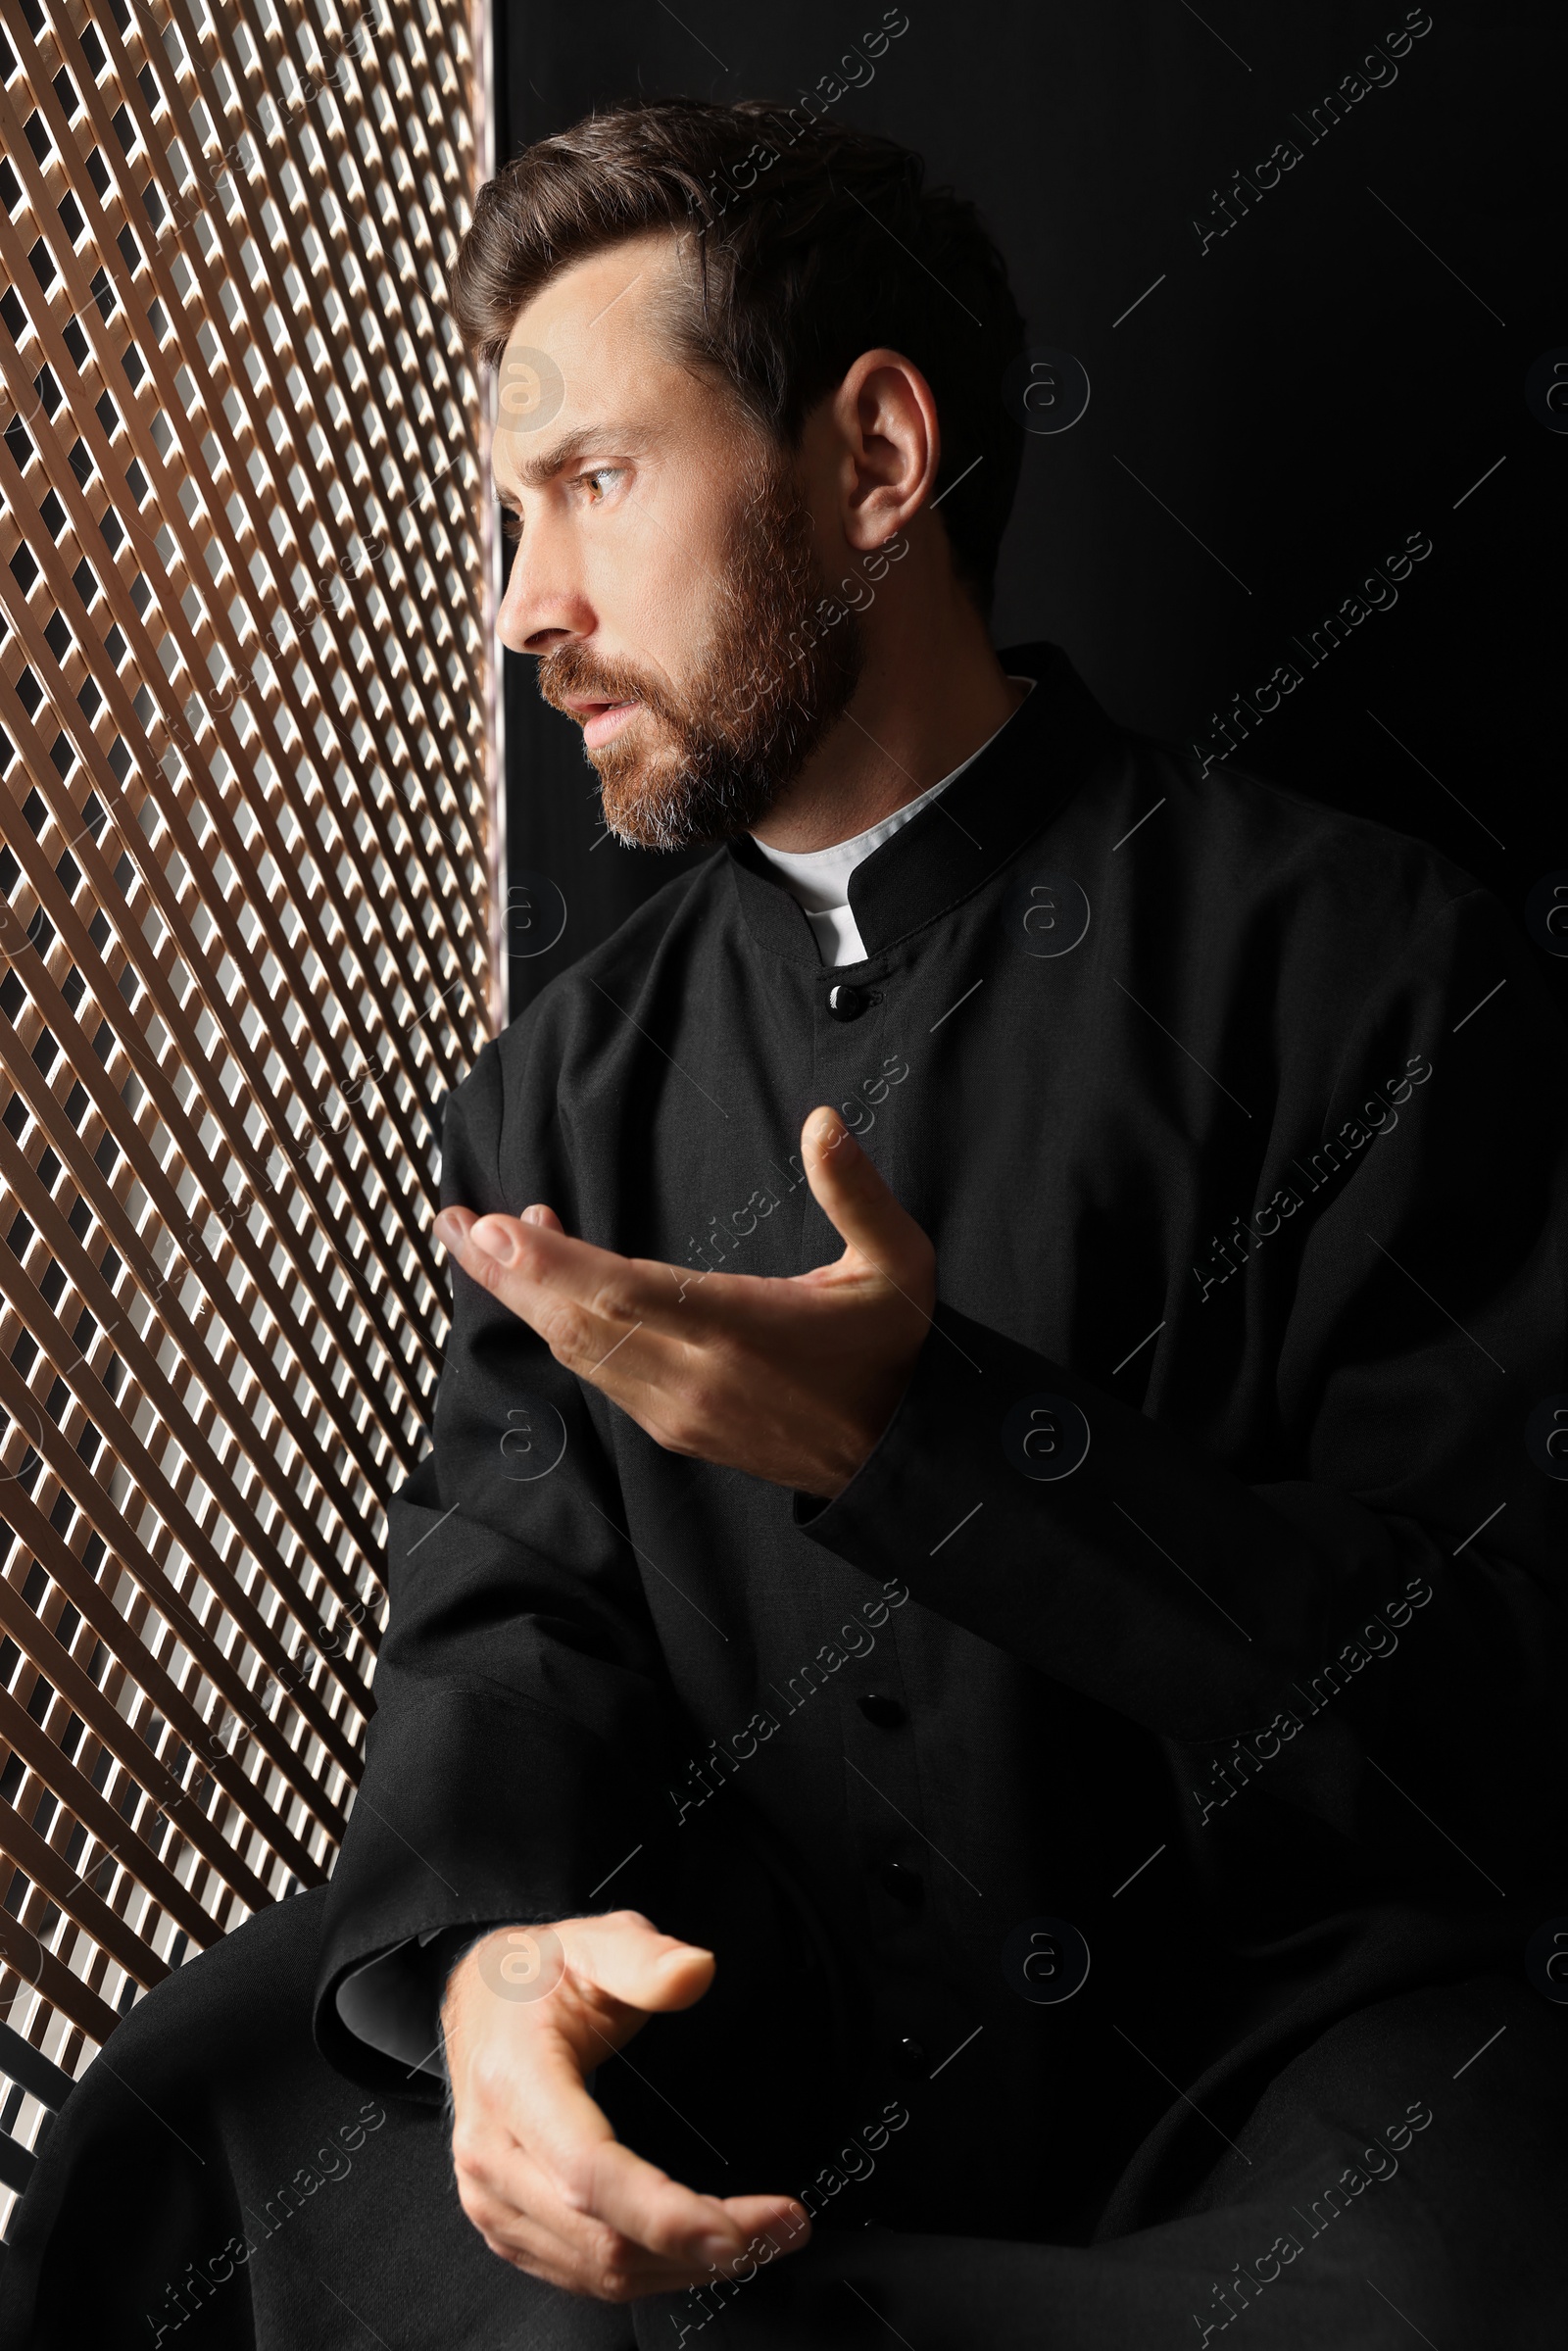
x,y
666,574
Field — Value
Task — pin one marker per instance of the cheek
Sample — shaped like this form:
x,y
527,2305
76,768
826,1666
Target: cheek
x,y
656,565
648,592
653,611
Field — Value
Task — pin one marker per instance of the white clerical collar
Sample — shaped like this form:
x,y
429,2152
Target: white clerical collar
x,y
819,878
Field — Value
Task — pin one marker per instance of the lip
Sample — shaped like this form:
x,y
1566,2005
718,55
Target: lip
x,y
602,721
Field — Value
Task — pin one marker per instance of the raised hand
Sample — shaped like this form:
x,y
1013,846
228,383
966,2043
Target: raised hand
x,y
793,1379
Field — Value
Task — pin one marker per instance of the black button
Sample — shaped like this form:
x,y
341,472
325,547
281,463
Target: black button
x,y
847,1003
910,2058
885,1712
904,1885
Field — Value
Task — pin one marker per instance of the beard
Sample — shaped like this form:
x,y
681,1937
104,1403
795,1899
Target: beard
x,y
706,760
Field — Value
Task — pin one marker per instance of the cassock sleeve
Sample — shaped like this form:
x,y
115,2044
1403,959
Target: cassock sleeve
x,y
517,1673
1357,1601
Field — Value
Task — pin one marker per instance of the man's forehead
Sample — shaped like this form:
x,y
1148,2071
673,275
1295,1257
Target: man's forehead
x,y
604,297
577,355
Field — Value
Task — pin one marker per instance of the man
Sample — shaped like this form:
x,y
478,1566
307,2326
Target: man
x,y
985,1584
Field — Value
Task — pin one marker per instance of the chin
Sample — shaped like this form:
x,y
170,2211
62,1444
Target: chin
x,y
637,810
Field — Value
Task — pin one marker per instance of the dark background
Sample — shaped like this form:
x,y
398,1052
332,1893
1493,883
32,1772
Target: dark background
x,y
1264,427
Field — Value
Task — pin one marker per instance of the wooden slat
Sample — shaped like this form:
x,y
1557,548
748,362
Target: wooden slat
x,y
21,2062
26,1965
228,1114
77,1687
92,1294
60,1776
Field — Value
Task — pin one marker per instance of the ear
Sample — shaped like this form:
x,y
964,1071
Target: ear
x,y
886,419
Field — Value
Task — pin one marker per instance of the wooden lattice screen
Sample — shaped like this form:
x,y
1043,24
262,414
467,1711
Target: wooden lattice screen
x,y
246,941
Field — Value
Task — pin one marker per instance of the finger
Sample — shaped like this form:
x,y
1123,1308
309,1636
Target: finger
x,y
776,2221
581,2256
846,1187
593,2253
624,1954
544,1218
582,2189
588,1304
645,2205
655,2219
566,2157
548,1277
624,2274
610,2266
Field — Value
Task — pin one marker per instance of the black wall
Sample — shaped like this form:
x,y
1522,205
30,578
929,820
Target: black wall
x,y
1335,372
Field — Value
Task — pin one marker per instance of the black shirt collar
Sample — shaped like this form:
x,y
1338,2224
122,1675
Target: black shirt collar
x,y
1046,751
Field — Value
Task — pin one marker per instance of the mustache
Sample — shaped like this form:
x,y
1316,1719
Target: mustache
x,y
570,671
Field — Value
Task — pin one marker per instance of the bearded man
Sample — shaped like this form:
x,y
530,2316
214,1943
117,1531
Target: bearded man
x,y
967,1728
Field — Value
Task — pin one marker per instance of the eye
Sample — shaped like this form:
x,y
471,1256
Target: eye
x,y
511,522
598,476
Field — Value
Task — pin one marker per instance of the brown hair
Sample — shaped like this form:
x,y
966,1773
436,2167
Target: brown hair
x,y
815,242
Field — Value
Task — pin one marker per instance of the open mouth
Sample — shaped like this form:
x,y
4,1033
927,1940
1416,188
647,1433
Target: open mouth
x,y
602,721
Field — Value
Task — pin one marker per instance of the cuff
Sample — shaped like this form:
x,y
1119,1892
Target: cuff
x,y
392,2004
477,1809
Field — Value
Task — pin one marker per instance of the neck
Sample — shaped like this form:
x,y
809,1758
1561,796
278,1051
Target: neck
x,y
932,691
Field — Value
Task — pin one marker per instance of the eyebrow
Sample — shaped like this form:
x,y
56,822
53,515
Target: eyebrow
x,y
554,460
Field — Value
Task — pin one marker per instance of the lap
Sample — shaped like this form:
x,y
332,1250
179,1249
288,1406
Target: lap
x,y
213,2178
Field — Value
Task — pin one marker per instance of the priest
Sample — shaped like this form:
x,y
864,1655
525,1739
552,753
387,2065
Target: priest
x,y
968,1728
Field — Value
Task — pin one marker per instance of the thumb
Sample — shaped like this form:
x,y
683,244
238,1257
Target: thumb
x,y
625,1955
852,1197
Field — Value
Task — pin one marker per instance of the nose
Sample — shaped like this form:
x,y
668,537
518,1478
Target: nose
x,y
542,605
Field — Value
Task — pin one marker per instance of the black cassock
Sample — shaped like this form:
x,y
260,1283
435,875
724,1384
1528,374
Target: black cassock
x,y
1129,1816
